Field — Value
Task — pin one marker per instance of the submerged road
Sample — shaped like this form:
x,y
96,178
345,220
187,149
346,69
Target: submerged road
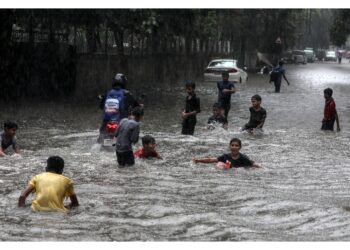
x,y
301,194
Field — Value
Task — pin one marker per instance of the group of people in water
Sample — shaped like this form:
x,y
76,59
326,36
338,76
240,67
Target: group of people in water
x,y
52,187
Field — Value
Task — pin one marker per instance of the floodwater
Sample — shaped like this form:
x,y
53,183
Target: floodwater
x,y
302,193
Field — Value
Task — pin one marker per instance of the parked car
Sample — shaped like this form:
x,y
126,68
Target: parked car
x,y
299,56
347,55
310,54
287,56
216,67
331,56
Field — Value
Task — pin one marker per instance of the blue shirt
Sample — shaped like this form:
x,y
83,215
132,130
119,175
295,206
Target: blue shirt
x,y
224,97
281,71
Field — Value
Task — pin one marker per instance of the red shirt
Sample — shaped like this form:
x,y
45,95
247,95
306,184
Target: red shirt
x,y
329,110
141,153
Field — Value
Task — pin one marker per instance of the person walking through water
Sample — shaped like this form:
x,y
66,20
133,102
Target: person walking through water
x,y
226,89
330,112
276,76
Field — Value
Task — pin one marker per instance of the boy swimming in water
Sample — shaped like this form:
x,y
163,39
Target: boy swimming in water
x,y
232,160
257,115
149,148
8,138
51,188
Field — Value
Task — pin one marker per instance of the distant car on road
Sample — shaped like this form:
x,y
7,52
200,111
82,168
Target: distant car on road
x,y
310,54
347,55
331,56
299,56
216,67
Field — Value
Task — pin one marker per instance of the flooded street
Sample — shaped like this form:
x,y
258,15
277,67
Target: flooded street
x,y
302,193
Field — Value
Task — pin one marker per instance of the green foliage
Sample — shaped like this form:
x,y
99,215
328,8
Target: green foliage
x,y
340,29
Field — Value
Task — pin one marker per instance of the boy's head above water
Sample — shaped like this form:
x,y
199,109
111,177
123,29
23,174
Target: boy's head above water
x,y
55,164
235,145
256,100
148,143
217,110
10,128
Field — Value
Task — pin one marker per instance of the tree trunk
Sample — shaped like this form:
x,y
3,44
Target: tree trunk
x,y
119,40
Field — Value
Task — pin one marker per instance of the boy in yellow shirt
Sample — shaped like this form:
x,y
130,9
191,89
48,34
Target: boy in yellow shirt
x,y
51,188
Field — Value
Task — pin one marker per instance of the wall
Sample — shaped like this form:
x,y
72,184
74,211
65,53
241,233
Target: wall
x,y
95,71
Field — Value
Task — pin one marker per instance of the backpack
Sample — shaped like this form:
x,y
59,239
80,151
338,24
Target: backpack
x,y
274,74
113,104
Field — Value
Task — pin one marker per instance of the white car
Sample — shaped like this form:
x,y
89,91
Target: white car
x,y
331,56
216,67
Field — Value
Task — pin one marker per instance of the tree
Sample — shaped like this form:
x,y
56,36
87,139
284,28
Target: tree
x,y
340,28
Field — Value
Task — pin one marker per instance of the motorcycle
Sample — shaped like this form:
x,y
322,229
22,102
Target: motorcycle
x,y
106,137
110,124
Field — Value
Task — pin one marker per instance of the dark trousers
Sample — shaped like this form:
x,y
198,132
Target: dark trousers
x,y
226,106
188,126
125,158
328,125
277,86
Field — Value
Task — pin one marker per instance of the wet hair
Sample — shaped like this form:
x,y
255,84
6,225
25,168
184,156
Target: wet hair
x,y
137,112
217,106
236,140
328,91
190,84
10,125
257,97
55,164
225,73
147,139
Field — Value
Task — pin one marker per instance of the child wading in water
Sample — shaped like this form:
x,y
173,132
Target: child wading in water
x,y
257,115
148,149
51,188
192,108
330,112
233,160
8,138
217,118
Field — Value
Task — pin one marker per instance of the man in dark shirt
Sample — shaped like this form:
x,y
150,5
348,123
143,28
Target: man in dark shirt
x,y
226,89
192,108
257,115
